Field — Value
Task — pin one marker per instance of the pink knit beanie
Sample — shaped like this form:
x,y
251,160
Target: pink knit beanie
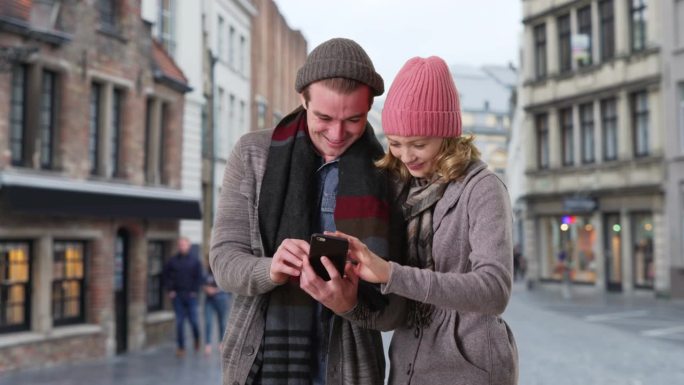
x,y
422,101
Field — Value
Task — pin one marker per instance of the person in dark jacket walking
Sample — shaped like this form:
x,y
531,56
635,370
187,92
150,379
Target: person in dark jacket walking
x,y
182,280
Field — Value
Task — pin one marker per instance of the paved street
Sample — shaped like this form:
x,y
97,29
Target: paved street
x,y
588,339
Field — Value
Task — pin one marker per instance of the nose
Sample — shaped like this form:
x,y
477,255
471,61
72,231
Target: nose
x,y
336,131
406,156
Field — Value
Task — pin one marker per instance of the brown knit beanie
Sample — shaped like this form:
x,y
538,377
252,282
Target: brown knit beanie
x,y
339,58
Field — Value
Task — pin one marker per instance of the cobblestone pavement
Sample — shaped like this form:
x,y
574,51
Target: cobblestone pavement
x,y
589,338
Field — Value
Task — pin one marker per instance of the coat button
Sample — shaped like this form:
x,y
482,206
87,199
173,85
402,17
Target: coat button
x,y
416,332
249,350
236,383
408,368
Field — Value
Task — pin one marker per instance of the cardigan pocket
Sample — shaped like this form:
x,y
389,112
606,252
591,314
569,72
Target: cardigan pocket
x,y
476,374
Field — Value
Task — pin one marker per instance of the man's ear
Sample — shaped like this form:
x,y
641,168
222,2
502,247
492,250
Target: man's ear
x,y
303,100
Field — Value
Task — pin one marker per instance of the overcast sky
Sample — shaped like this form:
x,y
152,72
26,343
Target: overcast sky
x,y
472,32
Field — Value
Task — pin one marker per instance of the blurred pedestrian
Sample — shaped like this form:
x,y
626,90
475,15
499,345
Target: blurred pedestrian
x,y
182,280
216,304
518,263
458,275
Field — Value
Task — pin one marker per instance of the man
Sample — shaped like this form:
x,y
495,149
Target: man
x,y
182,279
314,172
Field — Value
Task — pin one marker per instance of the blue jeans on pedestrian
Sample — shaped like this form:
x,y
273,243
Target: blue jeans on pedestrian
x,y
185,306
215,304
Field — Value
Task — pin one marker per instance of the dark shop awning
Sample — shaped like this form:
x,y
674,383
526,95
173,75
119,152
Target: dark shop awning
x,y
51,195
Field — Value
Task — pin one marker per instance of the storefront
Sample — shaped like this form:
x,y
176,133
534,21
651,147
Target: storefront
x,y
613,245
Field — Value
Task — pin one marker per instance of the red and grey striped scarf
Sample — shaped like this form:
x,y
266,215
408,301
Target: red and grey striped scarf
x,y
287,206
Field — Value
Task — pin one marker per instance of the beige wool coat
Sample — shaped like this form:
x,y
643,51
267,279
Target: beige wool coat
x,y
467,342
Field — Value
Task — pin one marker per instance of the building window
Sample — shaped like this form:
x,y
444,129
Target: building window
x,y
15,286
261,115
607,16
94,128
108,11
640,123
679,23
542,123
219,37
638,24
18,116
68,283
220,133
115,133
167,26
587,130
161,159
584,29
609,123
242,115
540,51
681,117
567,137
243,53
47,119
155,268
567,246
642,236
564,47
231,46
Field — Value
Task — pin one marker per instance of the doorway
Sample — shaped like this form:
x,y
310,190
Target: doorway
x,y
613,251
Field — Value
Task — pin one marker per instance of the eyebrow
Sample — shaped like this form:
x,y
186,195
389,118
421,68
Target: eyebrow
x,y
322,115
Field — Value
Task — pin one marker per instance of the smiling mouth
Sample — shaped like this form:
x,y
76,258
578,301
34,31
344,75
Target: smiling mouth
x,y
335,143
415,166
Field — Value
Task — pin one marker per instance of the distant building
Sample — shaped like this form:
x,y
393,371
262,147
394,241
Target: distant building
x,y
177,25
277,53
673,120
485,95
595,143
91,136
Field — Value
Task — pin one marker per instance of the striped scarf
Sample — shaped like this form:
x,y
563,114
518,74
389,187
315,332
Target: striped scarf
x,y
287,210
420,203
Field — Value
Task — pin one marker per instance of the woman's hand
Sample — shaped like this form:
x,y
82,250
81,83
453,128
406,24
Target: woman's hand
x,y
369,266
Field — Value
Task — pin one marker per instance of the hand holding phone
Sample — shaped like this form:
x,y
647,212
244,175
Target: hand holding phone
x,y
335,248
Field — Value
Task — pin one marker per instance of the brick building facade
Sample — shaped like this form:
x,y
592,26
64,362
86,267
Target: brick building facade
x,y
91,111
277,53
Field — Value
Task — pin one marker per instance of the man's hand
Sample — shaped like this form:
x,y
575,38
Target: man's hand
x,y
338,294
172,294
287,260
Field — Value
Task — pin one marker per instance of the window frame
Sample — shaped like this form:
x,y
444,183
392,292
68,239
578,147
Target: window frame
x,y
95,126
28,286
640,132
638,19
567,136
584,27
540,59
56,282
564,43
612,121
18,125
542,130
157,277
607,29
587,130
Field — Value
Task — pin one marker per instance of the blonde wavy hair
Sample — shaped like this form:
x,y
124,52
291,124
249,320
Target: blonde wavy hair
x,y
453,159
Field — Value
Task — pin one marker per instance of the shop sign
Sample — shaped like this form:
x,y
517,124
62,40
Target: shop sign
x,y
580,204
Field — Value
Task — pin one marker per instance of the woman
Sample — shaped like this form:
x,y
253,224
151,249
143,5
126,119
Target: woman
x,y
458,272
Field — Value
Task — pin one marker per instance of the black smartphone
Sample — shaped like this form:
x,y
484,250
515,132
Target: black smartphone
x,y
335,248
